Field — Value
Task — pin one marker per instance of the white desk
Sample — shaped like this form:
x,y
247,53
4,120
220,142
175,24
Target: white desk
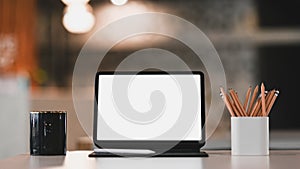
x,y
217,159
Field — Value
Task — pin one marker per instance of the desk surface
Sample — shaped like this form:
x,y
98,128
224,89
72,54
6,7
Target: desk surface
x,y
217,159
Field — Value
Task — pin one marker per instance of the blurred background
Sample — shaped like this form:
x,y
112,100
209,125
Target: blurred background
x,y
40,40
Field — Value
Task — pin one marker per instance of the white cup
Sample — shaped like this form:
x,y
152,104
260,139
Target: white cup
x,y
250,135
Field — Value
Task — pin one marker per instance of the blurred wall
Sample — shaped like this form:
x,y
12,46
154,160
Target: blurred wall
x,y
228,24
14,115
244,34
17,68
18,37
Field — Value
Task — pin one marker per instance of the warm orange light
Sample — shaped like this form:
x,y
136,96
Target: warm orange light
x,y
78,18
119,2
68,2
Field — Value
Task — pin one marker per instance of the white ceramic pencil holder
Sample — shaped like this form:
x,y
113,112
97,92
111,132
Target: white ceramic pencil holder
x,y
250,135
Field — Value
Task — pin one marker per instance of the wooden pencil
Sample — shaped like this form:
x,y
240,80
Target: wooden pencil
x,y
247,99
234,103
254,95
237,102
263,100
269,97
272,102
255,107
258,111
240,104
228,105
235,110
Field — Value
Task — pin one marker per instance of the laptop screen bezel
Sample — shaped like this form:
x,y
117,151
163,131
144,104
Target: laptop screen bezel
x,y
150,144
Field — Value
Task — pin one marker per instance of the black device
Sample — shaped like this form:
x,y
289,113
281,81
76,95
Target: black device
x,y
48,132
105,81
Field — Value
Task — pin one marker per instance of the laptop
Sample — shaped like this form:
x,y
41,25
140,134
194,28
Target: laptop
x,y
149,113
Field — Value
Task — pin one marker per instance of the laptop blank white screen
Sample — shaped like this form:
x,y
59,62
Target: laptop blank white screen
x,y
115,123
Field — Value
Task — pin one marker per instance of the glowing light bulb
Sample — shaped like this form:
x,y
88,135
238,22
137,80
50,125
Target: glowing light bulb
x,y
119,2
78,18
68,2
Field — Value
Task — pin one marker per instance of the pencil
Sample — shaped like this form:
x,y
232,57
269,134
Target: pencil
x,y
228,105
243,112
247,98
272,102
238,111
254,95
256,106
237,103
263,100
258,110
235,110
269,97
